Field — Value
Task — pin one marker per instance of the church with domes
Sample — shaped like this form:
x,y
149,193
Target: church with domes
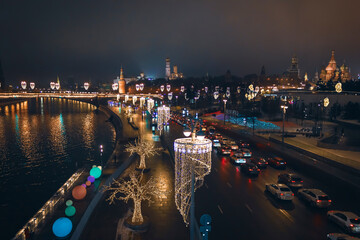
x,y
333,72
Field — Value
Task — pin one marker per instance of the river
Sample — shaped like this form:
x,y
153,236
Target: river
x,y
43,142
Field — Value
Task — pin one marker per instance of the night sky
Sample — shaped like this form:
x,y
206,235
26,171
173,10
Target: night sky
x,y
90,39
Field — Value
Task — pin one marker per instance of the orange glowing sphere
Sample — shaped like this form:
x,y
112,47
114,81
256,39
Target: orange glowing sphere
x,y
88,183
79,192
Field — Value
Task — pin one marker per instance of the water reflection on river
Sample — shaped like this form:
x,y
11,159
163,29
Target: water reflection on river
x,y
43,141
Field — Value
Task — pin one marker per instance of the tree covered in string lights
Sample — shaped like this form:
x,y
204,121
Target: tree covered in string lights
x,y
143,149
133,189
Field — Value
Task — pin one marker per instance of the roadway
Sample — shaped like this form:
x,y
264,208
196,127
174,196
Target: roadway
x,y
241,209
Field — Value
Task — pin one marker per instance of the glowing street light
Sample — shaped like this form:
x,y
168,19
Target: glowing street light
x,y
23,85
115,86
225,100
86,86
283,107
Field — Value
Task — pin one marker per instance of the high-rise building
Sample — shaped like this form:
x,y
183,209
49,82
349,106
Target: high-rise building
x,y
167,68
2,78
122,82
294,71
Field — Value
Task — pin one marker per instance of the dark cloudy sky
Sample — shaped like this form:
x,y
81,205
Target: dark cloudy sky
x,y
40,39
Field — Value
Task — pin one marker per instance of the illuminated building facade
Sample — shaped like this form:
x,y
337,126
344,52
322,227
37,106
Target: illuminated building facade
x,y
172,75
333,72
122,82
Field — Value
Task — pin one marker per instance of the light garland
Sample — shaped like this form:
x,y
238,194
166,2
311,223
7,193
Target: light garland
x,y
162,88
338,87
326,102
190,154
57,86
23,85
150,104
182,88
52,86
32,85
115,86
126,98
143,149
168,87
142,101
134,99
86,85
170,96
163,117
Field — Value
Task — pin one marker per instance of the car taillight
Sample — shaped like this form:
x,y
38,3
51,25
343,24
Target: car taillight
x,y
281,194
277,163
292,194
250,169
292,181
351,225
284,162
301,181
258,170
317,201
329,200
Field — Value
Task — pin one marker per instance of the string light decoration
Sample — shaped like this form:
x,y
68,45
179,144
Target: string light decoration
x,y
115,86
135,190
206,89
162,88
57,86
137,86
126,98
163,117
338,87
129,113
182,88
141,86
86,86
170,96
190,154
251,87
52,85
142,102
216,95
326,102
134,99
32,85
150,104
238,89
143,149
168,87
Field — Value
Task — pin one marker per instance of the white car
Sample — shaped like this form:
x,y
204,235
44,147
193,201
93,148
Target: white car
x,y
234,146
281,191
315,197
246,152
216,143
340,236
347,220
238,158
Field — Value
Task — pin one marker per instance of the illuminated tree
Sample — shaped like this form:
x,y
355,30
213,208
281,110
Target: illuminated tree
x,y
143,149
135,190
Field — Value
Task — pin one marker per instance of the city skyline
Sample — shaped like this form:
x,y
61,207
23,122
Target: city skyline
x,y
93,40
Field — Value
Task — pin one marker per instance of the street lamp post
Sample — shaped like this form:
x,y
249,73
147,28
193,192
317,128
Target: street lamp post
x,y
225,100
192,163
284,107
101,153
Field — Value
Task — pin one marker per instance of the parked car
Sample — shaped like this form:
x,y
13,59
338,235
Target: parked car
x,y
250,168
281,191
225,150
349,221
340,236
290,179
238,158
246,152
276,162
243,144
259,162
315,197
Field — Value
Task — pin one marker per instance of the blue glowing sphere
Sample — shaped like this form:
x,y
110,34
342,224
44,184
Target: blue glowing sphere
x,y
95,172
62,227
91,179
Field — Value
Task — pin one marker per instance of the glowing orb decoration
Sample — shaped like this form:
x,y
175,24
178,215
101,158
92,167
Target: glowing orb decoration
x,y
162,88
238,89
137,87
32,85
190,155
69,203
206,89
84,185
150,104
79,192
88,183
57,86
216,95
115,86
338,87
326,102
142,102
62,227
91,179
95,172
86,86
163,116
23,85
170,96
251,87
168,87
70,211
141,86
182,88
52,85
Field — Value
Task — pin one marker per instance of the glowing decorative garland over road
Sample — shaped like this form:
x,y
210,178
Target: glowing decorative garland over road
x,y
190,154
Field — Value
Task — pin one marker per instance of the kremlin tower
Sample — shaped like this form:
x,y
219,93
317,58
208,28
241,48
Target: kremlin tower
x,y
122,82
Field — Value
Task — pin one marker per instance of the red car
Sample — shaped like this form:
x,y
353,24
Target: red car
x,y
277,162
